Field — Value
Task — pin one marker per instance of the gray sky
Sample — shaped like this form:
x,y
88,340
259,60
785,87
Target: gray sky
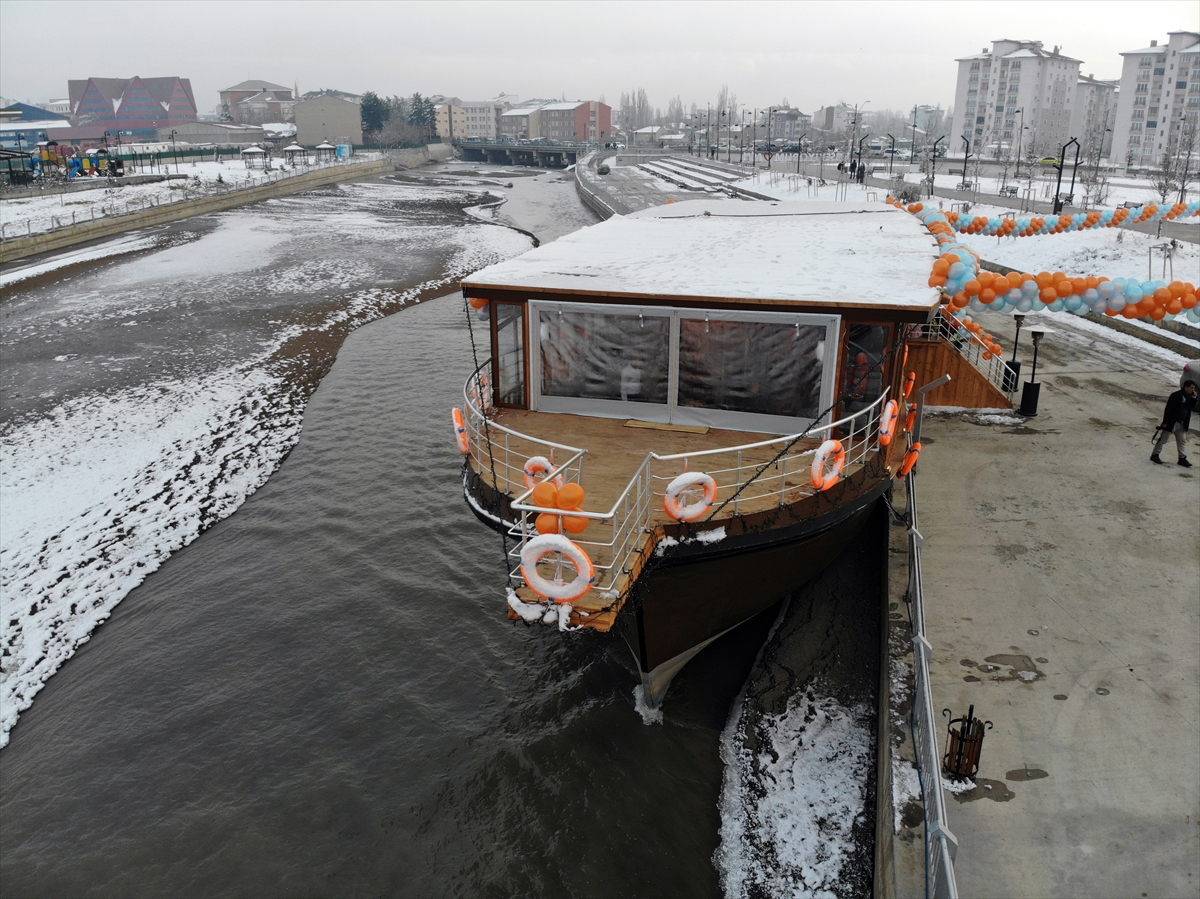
x,y
892,54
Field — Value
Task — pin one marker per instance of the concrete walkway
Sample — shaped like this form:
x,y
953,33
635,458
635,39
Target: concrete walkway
x,y
1062,589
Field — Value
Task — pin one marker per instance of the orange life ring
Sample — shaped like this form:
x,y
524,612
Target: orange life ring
x,y
677,487
536,465
910,459
908,383
912,419
540,547
820,479
460,432
887,422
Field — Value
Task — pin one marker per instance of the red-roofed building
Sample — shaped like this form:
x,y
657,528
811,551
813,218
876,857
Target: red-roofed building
x,y
134,106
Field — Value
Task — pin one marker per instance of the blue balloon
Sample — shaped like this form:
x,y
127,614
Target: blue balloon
x,y
1025,305
1030,289
1090,295
1116,304
1057,305
1014,295
956,271
1105,289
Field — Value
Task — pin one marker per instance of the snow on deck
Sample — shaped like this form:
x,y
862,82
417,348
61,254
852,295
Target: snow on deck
x,y
821,254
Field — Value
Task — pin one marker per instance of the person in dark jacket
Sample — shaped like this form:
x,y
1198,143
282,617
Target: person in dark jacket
x,y
1176,418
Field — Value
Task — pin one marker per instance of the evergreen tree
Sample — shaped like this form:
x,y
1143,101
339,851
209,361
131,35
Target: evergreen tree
x,y
375,112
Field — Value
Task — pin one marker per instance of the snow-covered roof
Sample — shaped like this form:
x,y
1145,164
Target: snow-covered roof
x,y
810,254
253,149
649,129
515,112
293,148
1155,50
326,145
572,104
255,85
26,125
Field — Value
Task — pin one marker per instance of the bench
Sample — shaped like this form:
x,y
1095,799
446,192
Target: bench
x,y
956,172
965,185
1009,191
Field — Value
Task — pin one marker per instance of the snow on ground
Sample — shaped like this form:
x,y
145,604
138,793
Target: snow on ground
x,y
788,813
1121,189
101,489
37,212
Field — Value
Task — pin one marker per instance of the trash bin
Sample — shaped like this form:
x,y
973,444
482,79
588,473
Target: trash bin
x,y
964,745
1012,375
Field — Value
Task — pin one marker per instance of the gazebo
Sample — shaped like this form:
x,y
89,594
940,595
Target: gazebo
x,y
296,154
325,151
255,157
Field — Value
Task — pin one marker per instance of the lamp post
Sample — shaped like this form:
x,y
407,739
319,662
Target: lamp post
x,y
891,154
933,164
1029,393
799,147
861,141
1014,367
1020,137
1058,203
966,156
174,155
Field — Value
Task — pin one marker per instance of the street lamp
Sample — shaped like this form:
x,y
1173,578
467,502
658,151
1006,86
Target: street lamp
x,y
966,156
891,154
861,141
1031,390
1014,367
1058,203
174,155
1020,136
799,147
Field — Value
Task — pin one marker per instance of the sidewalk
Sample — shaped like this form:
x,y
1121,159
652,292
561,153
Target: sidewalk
x,y
1062,586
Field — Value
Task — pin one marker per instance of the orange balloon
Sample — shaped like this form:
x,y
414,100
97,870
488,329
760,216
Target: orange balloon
x,y
1175,306
1188,301
574,524
1064,288
1131,311
1014,279
547,523
1158,314
1092,281
987,295
545,494
1044,279
1049,294
477,302
1162,295
1059,276
1176,288
570,496
960,301
1079,285
985,278
941,266
972,288
1111,313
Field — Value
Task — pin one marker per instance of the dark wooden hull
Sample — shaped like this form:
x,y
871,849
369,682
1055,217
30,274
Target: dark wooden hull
x,y
690,599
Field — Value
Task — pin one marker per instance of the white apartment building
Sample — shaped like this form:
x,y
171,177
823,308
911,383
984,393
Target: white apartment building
x,y
482,117
451,119
1015,85
1160,97
1092,121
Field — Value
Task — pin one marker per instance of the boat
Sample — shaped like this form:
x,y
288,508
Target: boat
x,y
681,415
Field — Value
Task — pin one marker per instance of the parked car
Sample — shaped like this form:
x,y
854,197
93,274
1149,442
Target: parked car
x,y
1048,160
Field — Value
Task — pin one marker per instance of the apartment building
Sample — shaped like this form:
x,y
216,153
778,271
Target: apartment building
x,y
451,119
1159,99
1017,84
482,117
576,120
1092,120
520,123
786,122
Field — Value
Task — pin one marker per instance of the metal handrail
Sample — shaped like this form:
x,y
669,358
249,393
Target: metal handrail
x,y
969,346
630,514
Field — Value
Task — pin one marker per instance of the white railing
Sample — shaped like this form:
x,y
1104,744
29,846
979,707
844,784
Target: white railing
x,y
753,476
969,346
941,847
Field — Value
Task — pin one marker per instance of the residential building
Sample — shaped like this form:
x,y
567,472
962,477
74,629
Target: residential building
x,y
648,136
576,120
482,117
1159,99
520,123
1015,84
136,107
786,123
329,116
1092,121
255,102
451,118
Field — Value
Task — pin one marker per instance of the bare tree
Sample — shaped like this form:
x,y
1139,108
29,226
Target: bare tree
x,y
675,113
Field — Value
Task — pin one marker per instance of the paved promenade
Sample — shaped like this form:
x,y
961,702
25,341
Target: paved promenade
x,y
1062,589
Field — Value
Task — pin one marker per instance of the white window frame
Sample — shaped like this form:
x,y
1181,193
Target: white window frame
x,y
671,412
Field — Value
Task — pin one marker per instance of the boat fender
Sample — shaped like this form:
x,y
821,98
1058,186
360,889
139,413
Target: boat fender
x,y
908,384
540,547
460,432
820,479
536,465
912,419
887,422
910,459
691,511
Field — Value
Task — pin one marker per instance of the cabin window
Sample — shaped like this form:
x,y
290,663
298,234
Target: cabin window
x,y
510,354
864,365
755,371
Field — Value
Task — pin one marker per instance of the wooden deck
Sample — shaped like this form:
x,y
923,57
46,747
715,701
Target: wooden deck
x,y
616,449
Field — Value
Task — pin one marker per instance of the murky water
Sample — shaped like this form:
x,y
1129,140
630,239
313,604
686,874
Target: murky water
x,y
322,693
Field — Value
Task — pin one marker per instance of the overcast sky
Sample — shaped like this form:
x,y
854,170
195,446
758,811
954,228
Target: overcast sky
x,y
887,54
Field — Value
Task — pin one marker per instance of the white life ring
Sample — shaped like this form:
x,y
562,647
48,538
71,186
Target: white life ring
x,y
536,465
460,432
682,483
887,422
481,391
540,547
820,479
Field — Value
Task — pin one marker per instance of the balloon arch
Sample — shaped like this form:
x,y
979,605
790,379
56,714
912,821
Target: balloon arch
x,y
958,273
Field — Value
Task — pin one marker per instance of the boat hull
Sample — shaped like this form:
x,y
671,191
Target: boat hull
x,y
686,602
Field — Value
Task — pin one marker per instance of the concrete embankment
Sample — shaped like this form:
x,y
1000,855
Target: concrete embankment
x,y
161,215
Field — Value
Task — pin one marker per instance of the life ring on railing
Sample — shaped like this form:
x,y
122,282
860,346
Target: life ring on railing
x,y
536,465
912,419
480,392
460,432
908,383
910,459
820,479
887,422
540,547
691,511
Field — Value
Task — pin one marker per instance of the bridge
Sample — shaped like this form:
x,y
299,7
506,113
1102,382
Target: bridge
x,y
551,156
